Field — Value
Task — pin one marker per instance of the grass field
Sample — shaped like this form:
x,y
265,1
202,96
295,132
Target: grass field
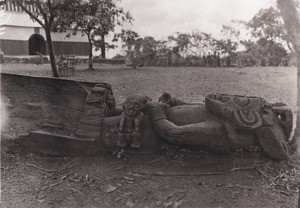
x,y
275,84
36,181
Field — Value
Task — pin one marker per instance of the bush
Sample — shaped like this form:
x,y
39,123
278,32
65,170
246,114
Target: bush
x,y
135,59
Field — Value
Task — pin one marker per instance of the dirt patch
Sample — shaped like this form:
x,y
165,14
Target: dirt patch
x,y
174,177
160,180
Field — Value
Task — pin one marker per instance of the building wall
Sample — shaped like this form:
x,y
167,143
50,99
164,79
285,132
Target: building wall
x,y
77,48
17,47
19,28
14,47
12,32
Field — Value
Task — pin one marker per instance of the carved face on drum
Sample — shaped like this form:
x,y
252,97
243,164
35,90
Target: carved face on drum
x,y
134,105
250,113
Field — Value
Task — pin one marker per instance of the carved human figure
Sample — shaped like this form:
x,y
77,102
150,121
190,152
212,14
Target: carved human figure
x,y
130,121
225,122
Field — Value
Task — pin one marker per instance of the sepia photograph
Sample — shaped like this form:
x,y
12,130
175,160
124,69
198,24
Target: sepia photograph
x,y
149,103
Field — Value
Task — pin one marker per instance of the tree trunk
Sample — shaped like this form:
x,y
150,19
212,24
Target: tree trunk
x,y
103,55
90,53
291,20
51,51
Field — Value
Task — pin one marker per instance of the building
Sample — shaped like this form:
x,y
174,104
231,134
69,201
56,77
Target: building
x,y
23,36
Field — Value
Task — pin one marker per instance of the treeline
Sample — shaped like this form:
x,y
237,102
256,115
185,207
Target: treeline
x,y
264,42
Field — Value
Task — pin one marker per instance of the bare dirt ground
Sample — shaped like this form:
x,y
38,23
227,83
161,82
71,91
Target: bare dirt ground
x,y
174,177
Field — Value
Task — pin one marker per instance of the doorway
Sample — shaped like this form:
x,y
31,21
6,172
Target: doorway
x,y
37,45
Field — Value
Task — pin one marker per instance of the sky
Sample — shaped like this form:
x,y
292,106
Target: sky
x,y
161,18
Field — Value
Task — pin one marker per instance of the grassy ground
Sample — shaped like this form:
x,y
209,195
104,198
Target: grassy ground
x,y
275,84
143,180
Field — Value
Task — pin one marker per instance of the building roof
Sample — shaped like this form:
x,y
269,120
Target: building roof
x,y
18,25
9,5
15,16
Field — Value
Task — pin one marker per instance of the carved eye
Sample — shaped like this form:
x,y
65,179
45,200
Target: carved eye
x,y
242,101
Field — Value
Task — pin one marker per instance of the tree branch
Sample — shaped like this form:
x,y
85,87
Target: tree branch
x,y
51,9
30,13
38,3
291,20
50,12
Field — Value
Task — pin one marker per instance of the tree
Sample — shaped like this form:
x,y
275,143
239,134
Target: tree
x,y
290,15
268,24
201,42
139,49
93,18
182,41
45,15
263,50
128,38
192,44
132,44
150,46
230,42
291,20
268,37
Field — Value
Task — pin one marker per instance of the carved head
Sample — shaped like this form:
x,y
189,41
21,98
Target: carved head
x,y
273,136
134,104
270,123
166,98
249,113
241,111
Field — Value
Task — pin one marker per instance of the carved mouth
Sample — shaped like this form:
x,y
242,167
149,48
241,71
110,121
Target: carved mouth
x,y
130,111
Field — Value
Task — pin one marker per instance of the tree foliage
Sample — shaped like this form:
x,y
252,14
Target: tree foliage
x,y
230,43
182,41
269,36
139,49
194,43
132,44
268,24
150,46
93,18
262,50
290,15
46,13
